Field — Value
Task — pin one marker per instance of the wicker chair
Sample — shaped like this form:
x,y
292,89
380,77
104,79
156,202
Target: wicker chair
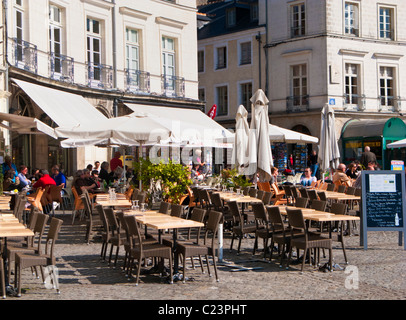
x,y
140,250
164,207
266,200
263,229
319,205
301,202
55,193
177,210
219,206
2,278
309,240
92,220
35,199
191,250
260,194
240,228
27,260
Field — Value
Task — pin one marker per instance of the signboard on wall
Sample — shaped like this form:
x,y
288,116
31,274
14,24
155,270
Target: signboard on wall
x,y
383,203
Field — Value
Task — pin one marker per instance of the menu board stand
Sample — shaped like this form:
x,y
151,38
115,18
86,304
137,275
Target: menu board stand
x,y
383,205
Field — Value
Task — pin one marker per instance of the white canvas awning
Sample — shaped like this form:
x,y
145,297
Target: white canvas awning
x,y
65,109
25,125
189,126
397,144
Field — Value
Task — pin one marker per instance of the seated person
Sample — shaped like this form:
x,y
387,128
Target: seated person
x,y
274,175
10,181
307,179
24,181
44,180
95,178
104,174
340,177
58,176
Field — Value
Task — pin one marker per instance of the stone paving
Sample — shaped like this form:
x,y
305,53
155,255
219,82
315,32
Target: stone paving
x,y
374,274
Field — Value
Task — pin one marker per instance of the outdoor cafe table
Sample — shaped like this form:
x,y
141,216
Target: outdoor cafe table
x,y
161,221
10,227
114,203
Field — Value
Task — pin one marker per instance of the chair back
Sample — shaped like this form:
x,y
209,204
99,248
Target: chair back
x,y
330,187
322,195
216,201
301,202
141,196
312,195
260,194
303,193
104,220
294,192
260,214
39,229
287,190
135,194
245,191
275,219
134,232
235,211
46,197
319,205
112,221
198,214
341,188
123,223
78,204
295,218
358,192
252,192
264,186
164,207
19,206
338,208
176,210
55,193
129,193
350,190
53,232
204,197
212,227
266,200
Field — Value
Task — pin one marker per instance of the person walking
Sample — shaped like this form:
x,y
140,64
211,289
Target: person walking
x,y
368,157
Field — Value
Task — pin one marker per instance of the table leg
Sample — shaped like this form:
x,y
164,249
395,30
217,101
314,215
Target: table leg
x,y
220,236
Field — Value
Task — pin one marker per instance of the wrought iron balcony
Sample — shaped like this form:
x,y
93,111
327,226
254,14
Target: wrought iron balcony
x,y
137,81
61,67
390,104
354,102
173,86
25,55
297,103
99,76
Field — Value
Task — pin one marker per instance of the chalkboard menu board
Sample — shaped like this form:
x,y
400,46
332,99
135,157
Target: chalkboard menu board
x,y
383,202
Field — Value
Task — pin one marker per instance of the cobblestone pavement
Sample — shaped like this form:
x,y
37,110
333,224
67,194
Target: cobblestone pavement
x,y
379,274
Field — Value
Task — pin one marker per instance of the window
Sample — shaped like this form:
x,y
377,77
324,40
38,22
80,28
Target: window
x,y
254,12
231,17
298,26
132,49
19,16
351,19
245,95
168,62
386,86
55,37
222,100
200,61
94,54
202,94
386,23
221,58
299,84
351,83
245,53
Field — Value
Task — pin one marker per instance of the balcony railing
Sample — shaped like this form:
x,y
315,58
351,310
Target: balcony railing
x,y
297,103
354,102
137,81
390,104
61,67
25,55
99,76
173,86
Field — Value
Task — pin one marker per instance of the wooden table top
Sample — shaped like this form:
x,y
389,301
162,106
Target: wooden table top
x,y
117,203
160,221
228,196
15,229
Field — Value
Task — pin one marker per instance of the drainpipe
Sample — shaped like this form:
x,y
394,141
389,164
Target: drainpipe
x,y
113,19
6,64
258,38
266,49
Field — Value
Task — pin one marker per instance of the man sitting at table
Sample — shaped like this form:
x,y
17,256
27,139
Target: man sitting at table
x,y
83,181
340,177
307,178
58,176
44,180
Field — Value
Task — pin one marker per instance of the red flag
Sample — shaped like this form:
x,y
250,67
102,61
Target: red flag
x,y
213,111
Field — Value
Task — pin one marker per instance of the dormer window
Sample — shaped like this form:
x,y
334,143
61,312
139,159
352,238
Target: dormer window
x,y
231,17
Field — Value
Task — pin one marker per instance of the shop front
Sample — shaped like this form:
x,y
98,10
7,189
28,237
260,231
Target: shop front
x,y
357,134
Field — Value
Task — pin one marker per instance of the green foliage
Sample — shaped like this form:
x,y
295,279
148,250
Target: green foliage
x,y
174,177
231,179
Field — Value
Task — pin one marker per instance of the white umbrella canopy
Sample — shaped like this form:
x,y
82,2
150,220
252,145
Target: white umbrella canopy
x,y
125,130
329,153
397,144
278,134
241,136
259,147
